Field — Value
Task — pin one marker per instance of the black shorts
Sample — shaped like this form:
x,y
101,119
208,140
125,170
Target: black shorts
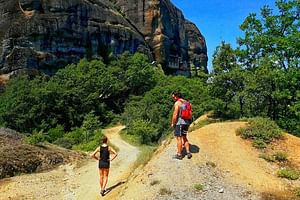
x,y
103,164
181,130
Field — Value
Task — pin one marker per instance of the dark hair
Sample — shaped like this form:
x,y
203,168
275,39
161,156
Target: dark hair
x,y
177,94
104,139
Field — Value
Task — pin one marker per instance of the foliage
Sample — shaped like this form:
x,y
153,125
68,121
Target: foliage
x,y
90,124
91,144
155,107
165,191
80,94
288,173
261,130
64,142
280,156
36,138
145,131
56,133
297,192
269,158
198,187
261,76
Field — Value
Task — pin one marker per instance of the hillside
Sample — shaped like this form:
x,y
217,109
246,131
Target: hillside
x,y
226,166
223,166
17,157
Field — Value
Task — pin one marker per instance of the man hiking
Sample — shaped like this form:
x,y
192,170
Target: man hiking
x,y
181,124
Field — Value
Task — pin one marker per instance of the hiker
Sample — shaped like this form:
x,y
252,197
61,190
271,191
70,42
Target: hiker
x,y
104,162
180,126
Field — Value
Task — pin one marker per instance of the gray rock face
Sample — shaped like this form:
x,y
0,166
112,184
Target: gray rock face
x,y
174,40
38,35
197,47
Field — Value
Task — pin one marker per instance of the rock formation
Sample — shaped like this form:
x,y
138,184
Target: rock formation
x,y
37,35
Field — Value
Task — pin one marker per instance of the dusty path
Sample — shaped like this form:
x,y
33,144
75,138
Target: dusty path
x,y
70,182
226,166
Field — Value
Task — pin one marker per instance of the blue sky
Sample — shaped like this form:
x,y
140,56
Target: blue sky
x,y
220,19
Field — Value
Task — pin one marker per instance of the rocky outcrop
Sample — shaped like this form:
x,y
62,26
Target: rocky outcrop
x,y
46,35
197,47
174,40
38,35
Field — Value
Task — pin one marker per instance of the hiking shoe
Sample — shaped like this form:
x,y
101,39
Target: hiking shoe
x,y
189,155
176,156
102,192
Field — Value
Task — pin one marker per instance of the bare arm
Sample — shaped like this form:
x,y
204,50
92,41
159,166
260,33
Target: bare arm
x,y
93,155
175,114
113,152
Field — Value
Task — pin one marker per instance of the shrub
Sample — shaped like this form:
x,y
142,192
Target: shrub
x,y
288,173
165,191
297,192
91,144
76,136
64,142
55,133
267,157
36,138
259,144
144,130
261,130
199,187
280,156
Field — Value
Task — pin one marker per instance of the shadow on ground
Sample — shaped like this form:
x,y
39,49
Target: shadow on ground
x,y
108,190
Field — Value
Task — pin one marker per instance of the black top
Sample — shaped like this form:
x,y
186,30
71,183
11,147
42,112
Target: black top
x,y
104,157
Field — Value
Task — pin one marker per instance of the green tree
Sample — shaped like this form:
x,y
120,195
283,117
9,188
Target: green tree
x,y
227,81
90,124
275,36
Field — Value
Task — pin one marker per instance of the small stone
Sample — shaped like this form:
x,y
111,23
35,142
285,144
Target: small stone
x,y
221,190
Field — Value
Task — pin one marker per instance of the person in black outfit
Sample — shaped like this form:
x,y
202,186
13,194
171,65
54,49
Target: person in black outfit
x,y
104,162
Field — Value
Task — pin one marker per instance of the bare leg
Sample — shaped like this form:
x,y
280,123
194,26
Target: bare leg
x,y
186,144
105,177
179,144
101,178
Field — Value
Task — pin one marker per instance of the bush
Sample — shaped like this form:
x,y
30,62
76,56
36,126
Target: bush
x,y
267,157
91,144
145,131
280,156
165,191
55,133
288,173
36,138
259,144
261,130
297,192
76,136
198,187
64,142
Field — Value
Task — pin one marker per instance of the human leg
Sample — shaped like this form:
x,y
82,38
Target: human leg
x,y
105,177
101,173
186,143
179,145
187,146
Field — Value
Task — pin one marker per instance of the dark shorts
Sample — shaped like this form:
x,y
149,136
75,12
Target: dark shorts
x,y
103,164
181,130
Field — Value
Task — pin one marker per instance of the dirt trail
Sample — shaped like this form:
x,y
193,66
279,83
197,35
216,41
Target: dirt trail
x,y
70,182
226,166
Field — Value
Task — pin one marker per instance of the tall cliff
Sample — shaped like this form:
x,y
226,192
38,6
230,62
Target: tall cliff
x,y
44,35
174,41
